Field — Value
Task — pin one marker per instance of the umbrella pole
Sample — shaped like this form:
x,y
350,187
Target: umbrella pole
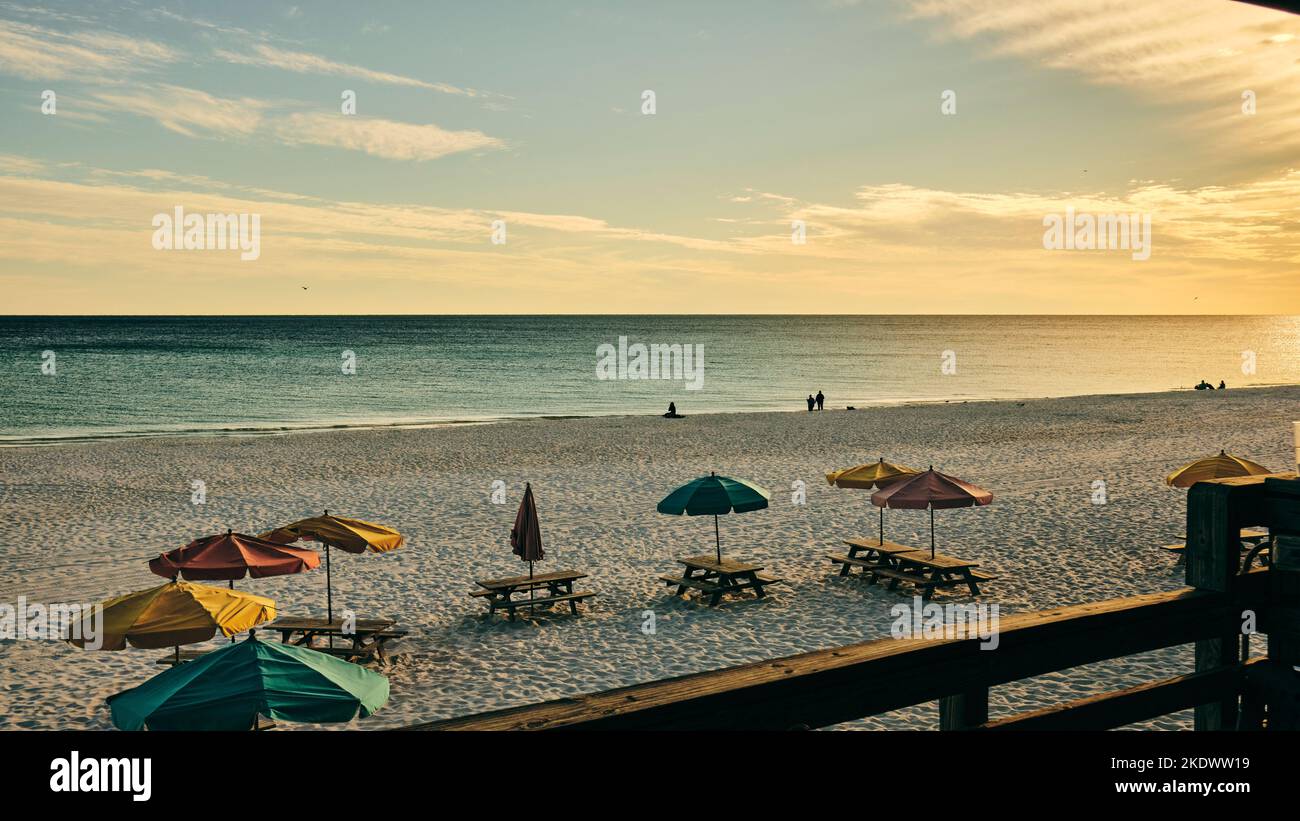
x,y
329,592
329,586
882,527
717,537
177,657
531,607
931,532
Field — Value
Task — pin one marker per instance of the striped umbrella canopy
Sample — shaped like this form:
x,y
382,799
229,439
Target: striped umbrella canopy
x,y
229,688
714,496
351,535
868,476
933,490
233,556
1223,466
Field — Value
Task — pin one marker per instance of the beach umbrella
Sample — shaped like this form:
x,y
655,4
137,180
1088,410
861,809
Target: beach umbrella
x,y
351,535
715,496
233,556
932,489
1223,466
526,535
229,688
173,614
868,476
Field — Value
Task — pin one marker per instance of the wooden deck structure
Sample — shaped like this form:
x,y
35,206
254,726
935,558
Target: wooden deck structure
x,y
841,684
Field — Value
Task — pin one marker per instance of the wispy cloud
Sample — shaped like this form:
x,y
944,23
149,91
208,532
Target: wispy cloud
x,y
267,56
1203,53
39,54
380,138
186,111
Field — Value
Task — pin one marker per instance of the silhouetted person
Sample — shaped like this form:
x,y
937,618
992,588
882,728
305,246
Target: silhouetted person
x,y
811,402
821,400
1222,385
672,411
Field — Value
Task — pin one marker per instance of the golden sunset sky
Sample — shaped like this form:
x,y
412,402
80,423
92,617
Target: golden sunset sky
x,y
766,113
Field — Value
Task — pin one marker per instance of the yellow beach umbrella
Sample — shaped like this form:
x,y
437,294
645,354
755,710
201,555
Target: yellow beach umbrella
x,y
173,614
352,535
871,475
1223,466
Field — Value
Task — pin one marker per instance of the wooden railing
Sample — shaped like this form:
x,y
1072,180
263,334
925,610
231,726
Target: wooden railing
x,y
827,687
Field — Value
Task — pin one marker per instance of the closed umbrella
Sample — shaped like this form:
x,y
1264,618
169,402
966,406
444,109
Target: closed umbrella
x,y
351,535
868,476
229,688
931,489
233,556
714,496
1223,466
526,535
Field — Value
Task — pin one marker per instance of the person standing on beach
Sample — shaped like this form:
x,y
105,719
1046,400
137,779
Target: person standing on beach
x,y
821,400
811,402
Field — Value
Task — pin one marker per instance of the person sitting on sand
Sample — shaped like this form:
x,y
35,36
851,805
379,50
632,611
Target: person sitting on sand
x,y
821,400
811,402
1203,385
1222,386
672,412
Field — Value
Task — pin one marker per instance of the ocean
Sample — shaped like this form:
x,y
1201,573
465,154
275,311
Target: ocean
x,y
76,378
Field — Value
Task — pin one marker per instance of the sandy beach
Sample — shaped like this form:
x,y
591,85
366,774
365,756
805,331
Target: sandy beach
x,y
80,521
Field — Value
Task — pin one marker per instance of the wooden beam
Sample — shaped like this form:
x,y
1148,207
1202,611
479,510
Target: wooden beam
x,y
1122,707
827,687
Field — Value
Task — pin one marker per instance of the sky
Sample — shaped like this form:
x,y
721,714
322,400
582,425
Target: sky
x,y
917,147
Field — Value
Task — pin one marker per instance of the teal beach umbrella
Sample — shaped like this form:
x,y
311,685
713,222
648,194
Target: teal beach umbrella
x,y
228,688
714,496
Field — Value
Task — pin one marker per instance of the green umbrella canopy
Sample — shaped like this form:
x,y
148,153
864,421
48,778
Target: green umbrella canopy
x,y
228,688
714,496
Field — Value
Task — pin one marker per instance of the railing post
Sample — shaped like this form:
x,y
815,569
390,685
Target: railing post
x,y
964,710
1216,512
1278,678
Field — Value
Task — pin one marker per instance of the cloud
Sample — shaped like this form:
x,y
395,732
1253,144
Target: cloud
x,y
1199,53
186,111
887,248
380,138
301,62
37,53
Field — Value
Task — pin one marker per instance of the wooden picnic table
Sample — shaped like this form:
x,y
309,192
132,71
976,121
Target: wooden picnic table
x,y
928,572
557,586
364,641
718,578
866,554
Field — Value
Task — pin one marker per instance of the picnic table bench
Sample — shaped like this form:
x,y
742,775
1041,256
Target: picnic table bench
x,y
557,586
930,572
719,578
899,563
866,554
363,642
